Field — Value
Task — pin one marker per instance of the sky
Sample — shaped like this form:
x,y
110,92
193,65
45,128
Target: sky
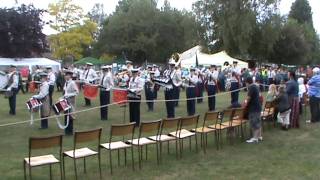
x,y
110,5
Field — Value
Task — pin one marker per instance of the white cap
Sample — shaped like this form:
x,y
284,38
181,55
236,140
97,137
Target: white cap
x,y
106,67
316,70
89,64
172,62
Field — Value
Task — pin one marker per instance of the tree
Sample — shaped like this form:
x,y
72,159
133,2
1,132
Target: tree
x,y
301,11
66,15
142,32
97,14
21,32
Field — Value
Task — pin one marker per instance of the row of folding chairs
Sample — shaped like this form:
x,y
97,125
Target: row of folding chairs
x,y
150,133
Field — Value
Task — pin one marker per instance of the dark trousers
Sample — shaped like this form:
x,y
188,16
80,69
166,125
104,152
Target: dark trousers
x,y
134,110
271,81
212,100
44,122
12,101
104,100
191,103
87,101
149,98
51,90
69,129
315,108
176,95
169,95
200,92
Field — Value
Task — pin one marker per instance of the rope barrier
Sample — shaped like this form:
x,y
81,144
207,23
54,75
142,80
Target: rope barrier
x,y
125,101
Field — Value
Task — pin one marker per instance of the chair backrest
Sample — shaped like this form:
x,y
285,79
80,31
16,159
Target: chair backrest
x,y
169,124
228,114
151,126
210,118
45,142
268,105
122,129
189,121
86,136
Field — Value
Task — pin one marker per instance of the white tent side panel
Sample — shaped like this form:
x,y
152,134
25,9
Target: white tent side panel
x,y
30,62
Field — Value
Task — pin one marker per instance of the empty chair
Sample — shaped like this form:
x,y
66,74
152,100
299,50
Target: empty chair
x,y
78,153
150,128
268,113
210,118
238,118
123,131
167,126
185,127
49,159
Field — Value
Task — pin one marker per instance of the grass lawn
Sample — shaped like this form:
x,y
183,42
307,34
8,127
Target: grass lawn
x,y
282,155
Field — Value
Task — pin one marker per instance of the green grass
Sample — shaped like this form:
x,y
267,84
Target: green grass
x,y
282,155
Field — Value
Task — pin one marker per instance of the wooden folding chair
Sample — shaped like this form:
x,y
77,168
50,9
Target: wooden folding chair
x,y
152,127
238,119
120,130
210,119
167,125
83,137
49,159
184,132
268,113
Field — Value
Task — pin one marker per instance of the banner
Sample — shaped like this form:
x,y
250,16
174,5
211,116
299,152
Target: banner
x,y
90,91
119,96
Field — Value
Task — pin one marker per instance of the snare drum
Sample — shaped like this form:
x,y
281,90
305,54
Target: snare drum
x,y
61,106
33,103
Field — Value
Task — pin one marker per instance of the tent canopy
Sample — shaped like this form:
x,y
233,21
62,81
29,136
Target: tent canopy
x,y
30,62
190,57
92,60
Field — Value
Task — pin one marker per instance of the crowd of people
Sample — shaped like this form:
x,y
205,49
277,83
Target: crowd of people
x,y
287,89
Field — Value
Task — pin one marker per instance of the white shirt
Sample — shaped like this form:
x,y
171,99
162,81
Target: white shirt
x,y
193,79
212,77
136,85
156,72
70,89
51,78
89,75
106,81
43,90
176,78
15,80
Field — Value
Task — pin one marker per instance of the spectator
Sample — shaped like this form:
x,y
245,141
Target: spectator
x,y
283,106
314,94
272,93
254,110
302,91
293,93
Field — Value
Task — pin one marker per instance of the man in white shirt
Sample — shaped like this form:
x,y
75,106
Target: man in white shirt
x,y
192,79
51,82
135,89
211,78
177,82
12,88
169,92
106,83
43,96
90,76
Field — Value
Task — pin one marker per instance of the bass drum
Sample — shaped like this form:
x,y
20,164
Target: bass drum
x,y
3,80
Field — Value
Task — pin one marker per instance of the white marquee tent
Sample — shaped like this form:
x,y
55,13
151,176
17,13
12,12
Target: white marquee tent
x,y
189,58
30,62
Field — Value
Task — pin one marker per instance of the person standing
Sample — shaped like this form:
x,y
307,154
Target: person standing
x,y
292,89
212,76
51,82
70,91
177,82
106,84
192,81
135,89
234,88
169,92
254,110
89,76
12,89
149,89
43,96
314,95
283,106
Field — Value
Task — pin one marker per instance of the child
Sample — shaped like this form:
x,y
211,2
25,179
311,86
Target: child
x,y
272,93
282,101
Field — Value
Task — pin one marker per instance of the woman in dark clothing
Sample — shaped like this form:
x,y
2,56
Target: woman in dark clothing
x,y
293,94
283,106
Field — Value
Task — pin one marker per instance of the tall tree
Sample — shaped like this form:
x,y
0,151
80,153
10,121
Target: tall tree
x,y
301,11
21,32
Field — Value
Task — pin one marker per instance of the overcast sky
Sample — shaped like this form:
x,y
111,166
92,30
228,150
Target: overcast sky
x,y
110,6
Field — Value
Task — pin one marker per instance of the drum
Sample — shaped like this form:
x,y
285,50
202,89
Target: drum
x,y
3,80
33,103
61,106
90,91
119,96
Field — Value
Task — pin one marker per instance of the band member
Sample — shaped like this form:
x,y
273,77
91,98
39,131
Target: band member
x,y
129,65
177,82
192,80
12,89
134,93
43,96
70,91
123,78
149,90
234,87
89,76
211,77
106,83
200,86
156,86
169,92
51,82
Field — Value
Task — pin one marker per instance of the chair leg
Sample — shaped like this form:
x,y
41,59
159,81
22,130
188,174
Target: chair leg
x,y
168,146
201,140
110,161
118,157
84,165
75,167
61,171
140,155
146,152
24,170
30,176
195,136
132,158
177,148
50,169
99,163
64,168
190,143
125,156
157,144
160,153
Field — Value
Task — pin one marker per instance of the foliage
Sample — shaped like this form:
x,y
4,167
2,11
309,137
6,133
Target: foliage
x,y
21,32
141,31
301,11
